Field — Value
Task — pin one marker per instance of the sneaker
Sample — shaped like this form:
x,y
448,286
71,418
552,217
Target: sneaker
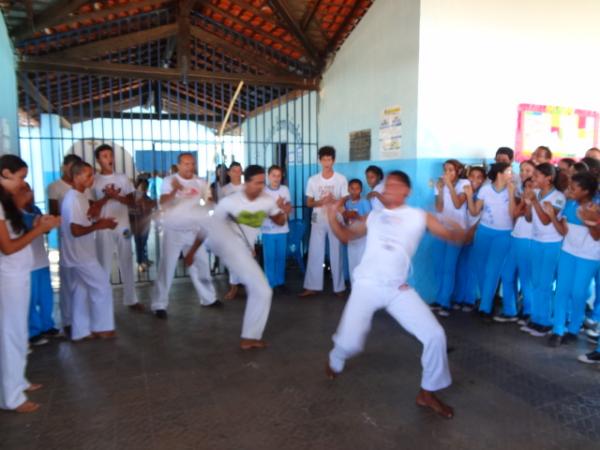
x,y
467,308
569,338
523,321
539,331
590,323
505,319
590,358
592,334
443,312
555,340
435,306
527,328
38,340
160,314
592,340
216,304
456,307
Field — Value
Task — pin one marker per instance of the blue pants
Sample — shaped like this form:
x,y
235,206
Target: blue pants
x,y
518,261
42,302
274,257
596,310
544,261
491,247
141,247
446,257
465,286
572,287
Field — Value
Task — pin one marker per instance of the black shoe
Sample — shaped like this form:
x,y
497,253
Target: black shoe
x,y
435,306
590,358
501,318
38,340
555,340
569,338
486,317
52,333
160,314
215,304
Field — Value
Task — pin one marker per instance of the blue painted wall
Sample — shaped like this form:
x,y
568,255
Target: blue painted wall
x,y
8,87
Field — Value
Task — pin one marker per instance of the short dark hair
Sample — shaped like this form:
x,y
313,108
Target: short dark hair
x,y
580,167
593,165
70,159
400,175
479,169
376,170
101,148
253,170
568,161
355,181
181,155
275,167
546,150
497,168
586,181
78,167
327,150
507,151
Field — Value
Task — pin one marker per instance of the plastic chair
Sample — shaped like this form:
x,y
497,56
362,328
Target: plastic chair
x,y
295,242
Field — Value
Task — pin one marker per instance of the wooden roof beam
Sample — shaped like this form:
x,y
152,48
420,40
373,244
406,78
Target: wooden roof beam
x,y
309,15
97,48
283,10
184,52
52,64
115,10
38,97
53,15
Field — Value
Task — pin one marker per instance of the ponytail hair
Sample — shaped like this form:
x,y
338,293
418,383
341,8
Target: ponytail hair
x,y
458,167
548,170
496,169
12,213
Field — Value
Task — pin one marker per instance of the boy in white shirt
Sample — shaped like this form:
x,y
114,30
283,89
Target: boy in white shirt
x,y
92,302
182,196
114,193
323,189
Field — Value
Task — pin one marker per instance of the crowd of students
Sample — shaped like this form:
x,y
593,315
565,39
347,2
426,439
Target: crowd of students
x,y
530,238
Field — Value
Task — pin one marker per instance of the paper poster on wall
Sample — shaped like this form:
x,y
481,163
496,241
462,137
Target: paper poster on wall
x,y
390,133
569,132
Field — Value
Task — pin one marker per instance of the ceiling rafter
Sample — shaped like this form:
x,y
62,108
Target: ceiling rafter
x,y
53,15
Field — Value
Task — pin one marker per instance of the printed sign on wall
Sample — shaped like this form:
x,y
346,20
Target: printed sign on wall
x,y
390,133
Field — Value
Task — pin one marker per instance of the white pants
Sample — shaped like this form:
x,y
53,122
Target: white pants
x,y
109,241
316,257
173,243
66,295
93,309
235,255
14,334
356,248
410,311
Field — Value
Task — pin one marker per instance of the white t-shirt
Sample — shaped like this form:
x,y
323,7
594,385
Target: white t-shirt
x,y
579,241
376,204
449,212
268,226
58,189
184,212
317,187
38,247
114,208
495,213
522,229
548,233
249,214
231,188
75,251
19,262
393,236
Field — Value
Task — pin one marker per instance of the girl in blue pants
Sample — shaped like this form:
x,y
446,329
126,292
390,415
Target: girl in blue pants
x,y
517,267
274,237
579,260
496,203
545,247
466,290
451,206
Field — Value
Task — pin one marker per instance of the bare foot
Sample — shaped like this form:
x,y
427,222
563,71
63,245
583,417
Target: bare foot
x,y
329,372
34,387
27,407
105,334
428,399
247,344
232,292
340,294
137,307
307,293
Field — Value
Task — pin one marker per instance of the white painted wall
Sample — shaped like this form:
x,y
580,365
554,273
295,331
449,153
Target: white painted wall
x,y
376,67
479,59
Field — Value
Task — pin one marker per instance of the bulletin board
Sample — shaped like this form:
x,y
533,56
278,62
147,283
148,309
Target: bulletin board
x,y
568,132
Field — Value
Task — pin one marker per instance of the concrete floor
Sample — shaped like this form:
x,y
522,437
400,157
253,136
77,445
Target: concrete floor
x,y
184,384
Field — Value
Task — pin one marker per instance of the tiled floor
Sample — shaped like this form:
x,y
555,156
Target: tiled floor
x,y
184,384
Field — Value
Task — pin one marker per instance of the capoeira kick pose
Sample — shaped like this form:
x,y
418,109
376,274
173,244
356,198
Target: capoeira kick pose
x,y
92,302
229,241
181,199
114,193
380,281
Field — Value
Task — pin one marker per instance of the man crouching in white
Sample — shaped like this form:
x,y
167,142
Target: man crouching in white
x,y
380,281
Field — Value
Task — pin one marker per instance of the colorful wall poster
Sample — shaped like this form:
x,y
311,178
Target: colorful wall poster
x,y
390,133
568,132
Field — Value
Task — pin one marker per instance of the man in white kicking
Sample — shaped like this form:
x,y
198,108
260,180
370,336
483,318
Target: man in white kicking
x,y
114,193
234,245
322,189
380,281
182,197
